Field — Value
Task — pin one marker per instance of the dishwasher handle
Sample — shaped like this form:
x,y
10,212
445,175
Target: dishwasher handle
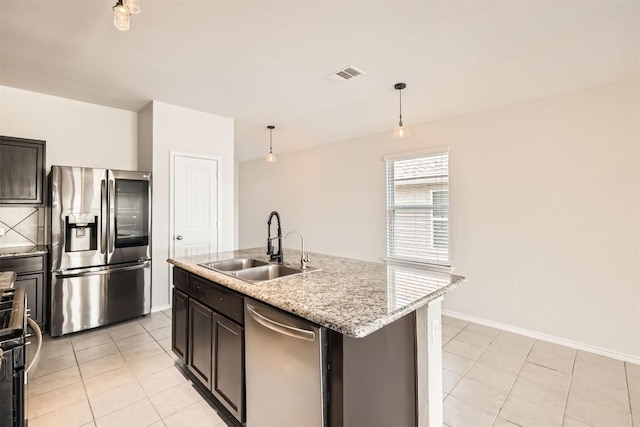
x,y
281,328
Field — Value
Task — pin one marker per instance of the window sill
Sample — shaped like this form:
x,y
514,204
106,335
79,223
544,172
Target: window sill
x,y
421,265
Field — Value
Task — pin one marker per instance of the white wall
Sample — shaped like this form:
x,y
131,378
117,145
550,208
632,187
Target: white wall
x,y
77,133
545,210
165,128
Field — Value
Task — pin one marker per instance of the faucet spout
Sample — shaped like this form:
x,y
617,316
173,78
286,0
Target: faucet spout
x,y
279,255
304,258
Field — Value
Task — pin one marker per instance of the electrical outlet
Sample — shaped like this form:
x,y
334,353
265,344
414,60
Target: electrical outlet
x,y
1,231
436,331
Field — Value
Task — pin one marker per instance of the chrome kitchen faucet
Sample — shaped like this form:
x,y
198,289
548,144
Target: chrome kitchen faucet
x,y
304,258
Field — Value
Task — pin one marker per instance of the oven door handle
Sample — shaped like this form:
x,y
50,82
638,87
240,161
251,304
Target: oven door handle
x,y
36,329
102,271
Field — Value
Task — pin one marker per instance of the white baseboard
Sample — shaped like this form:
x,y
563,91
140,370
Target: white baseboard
x,y
163,307
544,337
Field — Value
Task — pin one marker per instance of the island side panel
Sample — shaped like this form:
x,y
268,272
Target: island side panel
x,y
379,377
428,359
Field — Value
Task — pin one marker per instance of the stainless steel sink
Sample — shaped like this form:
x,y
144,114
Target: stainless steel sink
x,y
234,264
267,272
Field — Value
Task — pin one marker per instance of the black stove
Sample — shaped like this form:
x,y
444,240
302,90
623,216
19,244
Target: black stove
x,y
13,328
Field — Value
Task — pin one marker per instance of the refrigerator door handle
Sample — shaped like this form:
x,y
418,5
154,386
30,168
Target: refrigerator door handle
x,y
281,328
103,217
112,214
102,271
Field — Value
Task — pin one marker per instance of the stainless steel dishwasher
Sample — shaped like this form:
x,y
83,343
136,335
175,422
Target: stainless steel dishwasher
x,y
284,359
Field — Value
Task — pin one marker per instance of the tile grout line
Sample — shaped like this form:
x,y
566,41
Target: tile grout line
x,y
495,417
84,386
23,220
566,401
514,383
626,377
128,365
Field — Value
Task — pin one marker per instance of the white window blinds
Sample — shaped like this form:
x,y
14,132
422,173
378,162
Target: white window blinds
x,y
418,209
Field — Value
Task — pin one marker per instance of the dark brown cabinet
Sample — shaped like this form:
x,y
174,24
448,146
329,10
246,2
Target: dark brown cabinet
x,y
30,274
22,171
227,381
208,335
180,316
200,341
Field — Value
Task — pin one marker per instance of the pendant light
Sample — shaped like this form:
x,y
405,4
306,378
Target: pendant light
x,y
122,12
121,16
270,157
401,131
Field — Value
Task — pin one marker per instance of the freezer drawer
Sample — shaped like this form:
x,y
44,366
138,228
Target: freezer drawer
x,y
285,359
88,298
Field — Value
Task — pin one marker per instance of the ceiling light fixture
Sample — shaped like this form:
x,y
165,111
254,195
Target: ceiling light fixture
x,y
401,131
122,12
270,157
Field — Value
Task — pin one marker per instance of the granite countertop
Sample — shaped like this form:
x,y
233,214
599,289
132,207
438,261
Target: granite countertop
x,y
7,279
349,296
22,251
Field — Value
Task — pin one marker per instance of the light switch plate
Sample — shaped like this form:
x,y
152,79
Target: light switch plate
x,y
436,331
1,231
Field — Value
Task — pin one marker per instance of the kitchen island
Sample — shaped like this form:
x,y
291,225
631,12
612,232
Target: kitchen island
x,y
383,358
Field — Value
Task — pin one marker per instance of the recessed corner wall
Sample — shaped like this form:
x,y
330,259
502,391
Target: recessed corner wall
x,y
545,210
165,128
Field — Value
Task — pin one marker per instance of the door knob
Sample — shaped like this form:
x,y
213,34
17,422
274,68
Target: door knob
x,y
178,237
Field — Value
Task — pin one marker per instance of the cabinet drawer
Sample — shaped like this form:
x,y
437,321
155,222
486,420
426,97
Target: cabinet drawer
x,y
181,279
218,298
22,264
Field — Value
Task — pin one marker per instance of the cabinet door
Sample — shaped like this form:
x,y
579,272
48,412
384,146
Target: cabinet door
x,y
179,324
21,171
34,286
200,341
227,382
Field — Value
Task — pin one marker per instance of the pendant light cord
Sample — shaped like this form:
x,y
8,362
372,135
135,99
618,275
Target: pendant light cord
x,y
400,105
270,140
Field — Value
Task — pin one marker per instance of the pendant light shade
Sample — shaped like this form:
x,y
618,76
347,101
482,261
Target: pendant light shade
x,y
133,5
401,131
121,16
270,157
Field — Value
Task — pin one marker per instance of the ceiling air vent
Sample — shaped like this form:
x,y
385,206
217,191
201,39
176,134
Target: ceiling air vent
x,y
346,73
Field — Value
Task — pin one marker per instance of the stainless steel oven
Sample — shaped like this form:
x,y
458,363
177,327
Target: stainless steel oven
x,y
13,323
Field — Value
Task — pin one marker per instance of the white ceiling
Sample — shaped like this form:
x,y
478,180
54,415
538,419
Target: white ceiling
x,y
263,62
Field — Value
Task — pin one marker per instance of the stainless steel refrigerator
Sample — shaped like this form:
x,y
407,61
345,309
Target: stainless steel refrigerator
x,y
100,247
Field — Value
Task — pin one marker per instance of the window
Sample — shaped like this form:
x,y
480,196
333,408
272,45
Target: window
x,y
418,208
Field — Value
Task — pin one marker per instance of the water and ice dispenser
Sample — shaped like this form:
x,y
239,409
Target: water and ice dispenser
x,y
81,232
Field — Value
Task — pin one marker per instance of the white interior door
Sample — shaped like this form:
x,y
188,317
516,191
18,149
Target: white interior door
x,y
195,206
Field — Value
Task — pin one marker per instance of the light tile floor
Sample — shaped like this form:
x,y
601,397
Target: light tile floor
x,y
126,375
122,375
